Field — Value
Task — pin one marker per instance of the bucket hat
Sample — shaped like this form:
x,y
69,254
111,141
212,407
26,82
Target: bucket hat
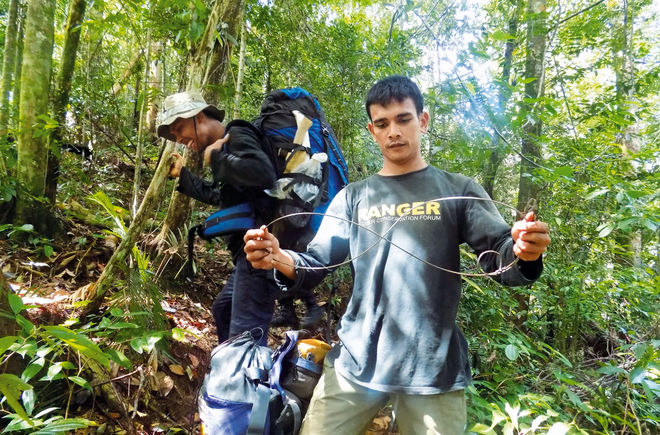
x,y
184,105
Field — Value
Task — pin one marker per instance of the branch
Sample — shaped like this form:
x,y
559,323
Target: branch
x,y
580,12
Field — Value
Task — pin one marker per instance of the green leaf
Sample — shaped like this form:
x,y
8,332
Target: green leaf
x,y
637,375
564,171
499,35
470,87
511,352
146,343
29,399
67,424
48,250
78,342
605,229
179,334
119,358
610,370
117,312
16,303
53,373
25,348
7,342
32,369
596,193
481,428
651,225
81,381
11,386
558,429
25,324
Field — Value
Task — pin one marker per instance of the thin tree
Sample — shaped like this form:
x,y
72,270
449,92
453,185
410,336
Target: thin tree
x,y
624,68
534,88
503,95
7,73
32,143
63,88
18,63
241,73
8,65
530,145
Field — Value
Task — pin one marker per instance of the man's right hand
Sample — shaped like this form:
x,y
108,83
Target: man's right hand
x,y
177,164
262,250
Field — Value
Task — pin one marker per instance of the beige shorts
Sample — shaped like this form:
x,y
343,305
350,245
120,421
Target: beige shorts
x,y
342,407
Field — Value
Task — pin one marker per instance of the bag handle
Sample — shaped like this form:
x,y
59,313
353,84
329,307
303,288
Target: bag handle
x,y
282,352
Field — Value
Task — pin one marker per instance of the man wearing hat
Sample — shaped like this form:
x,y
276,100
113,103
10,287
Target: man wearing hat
x,y
242,167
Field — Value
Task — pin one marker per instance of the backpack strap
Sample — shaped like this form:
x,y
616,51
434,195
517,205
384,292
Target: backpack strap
x,y
282,352
259,413
192,232
244,123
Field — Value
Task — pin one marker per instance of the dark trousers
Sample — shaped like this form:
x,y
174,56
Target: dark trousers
x,y
245,302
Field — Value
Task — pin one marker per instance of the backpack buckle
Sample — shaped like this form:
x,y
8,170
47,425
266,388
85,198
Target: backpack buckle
x,y
282,153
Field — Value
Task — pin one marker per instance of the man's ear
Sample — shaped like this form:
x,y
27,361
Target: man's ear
x,y
370,127
424,121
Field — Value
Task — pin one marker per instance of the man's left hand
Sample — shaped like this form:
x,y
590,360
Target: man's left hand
x,y
530,238
214,146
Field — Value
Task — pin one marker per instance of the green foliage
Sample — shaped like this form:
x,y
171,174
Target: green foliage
x,y
41,245
53,363
46,353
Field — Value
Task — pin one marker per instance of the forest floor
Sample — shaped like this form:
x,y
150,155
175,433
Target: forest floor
x,y
159,395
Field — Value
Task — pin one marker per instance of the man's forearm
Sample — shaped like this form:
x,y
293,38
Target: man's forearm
x,y
284,264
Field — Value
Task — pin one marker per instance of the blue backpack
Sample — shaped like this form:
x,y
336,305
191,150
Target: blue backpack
x,y
276,126
248,389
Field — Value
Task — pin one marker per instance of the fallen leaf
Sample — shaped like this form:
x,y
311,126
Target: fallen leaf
x,y
380,424
194,360
176,369
165,383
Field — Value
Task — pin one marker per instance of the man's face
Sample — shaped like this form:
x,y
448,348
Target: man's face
x,y
397,130
183,129
197,134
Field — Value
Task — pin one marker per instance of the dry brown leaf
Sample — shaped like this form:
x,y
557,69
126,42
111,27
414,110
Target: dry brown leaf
x,y
165,383
194,360
176,369
379,425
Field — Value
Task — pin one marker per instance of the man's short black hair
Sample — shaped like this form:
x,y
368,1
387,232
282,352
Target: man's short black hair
x,y
394,88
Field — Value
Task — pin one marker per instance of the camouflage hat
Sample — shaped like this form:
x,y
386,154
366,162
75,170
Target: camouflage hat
x,y
184,105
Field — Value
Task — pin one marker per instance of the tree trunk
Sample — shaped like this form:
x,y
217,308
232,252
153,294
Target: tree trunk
x,y
61,99
534,68
229,12
496,155
155,88
241,73
8,71
531,148
132,67
18,68
7,325
32,148
624,67
137,178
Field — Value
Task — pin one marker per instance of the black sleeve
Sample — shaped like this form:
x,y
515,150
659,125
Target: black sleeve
x,y
198,188
242,161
